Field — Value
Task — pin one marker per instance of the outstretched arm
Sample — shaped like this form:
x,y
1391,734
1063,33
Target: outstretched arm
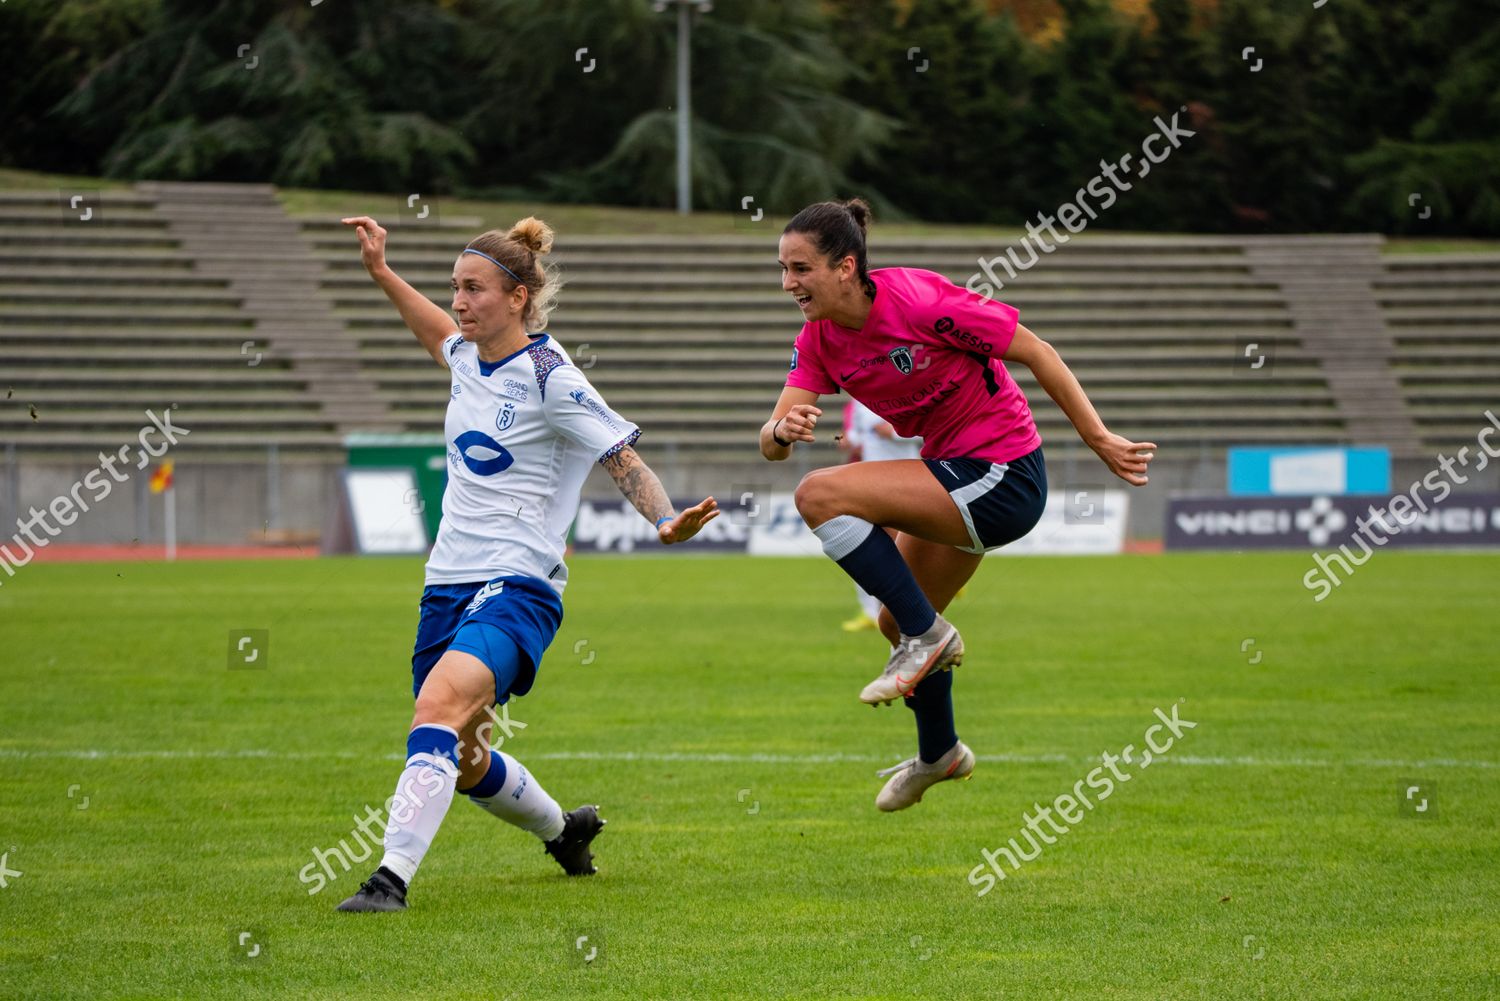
x,y
1125,458
644,491
429,321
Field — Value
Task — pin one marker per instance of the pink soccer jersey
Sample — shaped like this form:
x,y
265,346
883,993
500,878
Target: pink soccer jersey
x,y
928,361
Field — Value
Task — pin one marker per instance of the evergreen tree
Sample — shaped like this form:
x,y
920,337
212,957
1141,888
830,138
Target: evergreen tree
x,y
44,51
280,92
958,80
1175,75
1085,111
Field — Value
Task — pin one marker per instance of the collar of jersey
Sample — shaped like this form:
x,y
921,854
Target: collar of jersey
x,y
487,368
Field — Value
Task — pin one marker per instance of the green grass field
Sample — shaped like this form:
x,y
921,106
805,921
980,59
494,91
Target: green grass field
x,y
709,706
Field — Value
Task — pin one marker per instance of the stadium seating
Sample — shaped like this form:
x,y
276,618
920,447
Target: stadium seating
x,y
264,329
1444,313
104,318
691,336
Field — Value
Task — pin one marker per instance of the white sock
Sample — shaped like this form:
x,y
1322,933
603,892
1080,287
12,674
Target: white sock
x,y
414,813
868,602
842,535
523,802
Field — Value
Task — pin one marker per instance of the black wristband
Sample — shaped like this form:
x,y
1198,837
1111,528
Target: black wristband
x,y
783,444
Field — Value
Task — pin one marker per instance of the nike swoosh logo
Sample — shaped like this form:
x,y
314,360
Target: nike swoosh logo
x,y
848,375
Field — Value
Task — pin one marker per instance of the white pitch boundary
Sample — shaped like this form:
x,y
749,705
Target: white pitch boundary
x,y
688,757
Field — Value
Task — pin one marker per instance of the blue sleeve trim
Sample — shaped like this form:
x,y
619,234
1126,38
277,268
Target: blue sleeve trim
x,y
621,446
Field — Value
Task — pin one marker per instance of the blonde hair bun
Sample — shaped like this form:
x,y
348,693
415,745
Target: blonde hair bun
x,y
533,234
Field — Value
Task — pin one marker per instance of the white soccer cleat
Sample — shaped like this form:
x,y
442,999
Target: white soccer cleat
x,y
914,658
910,779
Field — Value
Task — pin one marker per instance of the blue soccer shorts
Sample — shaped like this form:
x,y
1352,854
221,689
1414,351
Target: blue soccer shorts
x,y
1000,501
507,623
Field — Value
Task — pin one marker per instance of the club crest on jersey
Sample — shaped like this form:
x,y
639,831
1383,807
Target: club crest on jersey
x,y
901,358
506,417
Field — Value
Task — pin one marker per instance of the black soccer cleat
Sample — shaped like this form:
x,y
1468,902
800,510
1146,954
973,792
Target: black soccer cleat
x,y
571,847
383,891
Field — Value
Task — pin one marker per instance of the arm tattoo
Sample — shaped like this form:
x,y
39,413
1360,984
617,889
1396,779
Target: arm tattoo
x,y
639,484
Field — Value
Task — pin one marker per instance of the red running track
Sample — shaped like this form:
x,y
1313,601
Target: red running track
x,y
78,553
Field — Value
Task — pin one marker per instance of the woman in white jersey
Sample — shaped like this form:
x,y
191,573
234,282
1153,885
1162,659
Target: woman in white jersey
x,y
523,429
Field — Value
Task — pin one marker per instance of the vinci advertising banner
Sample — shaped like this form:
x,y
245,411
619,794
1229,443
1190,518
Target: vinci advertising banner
x,y
1325,522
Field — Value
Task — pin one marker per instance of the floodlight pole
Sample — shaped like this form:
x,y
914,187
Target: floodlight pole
x,y
684,107
685,10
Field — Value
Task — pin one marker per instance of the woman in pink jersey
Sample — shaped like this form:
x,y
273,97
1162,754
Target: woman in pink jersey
x,y
929,357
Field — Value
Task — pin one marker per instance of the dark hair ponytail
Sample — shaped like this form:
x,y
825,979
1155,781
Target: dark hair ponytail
x,y
838,230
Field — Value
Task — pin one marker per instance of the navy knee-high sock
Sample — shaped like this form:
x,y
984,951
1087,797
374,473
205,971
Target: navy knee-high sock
x,y
932,703
866,553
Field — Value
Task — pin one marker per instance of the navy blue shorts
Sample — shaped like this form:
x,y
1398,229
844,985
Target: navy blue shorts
x,y
1000,501
491,620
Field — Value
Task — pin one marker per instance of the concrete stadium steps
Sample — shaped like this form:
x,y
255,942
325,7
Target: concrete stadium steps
x,y
1329,284
94,312
240,233
342,278
98,238
108,265
134,290
114,421
1443,311
226,445
777,306
61,371
628,346
122,334
98,314
570,324
704,321
710,312
292,398
168,292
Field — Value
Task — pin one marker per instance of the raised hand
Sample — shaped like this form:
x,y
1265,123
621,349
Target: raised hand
x,y
371,242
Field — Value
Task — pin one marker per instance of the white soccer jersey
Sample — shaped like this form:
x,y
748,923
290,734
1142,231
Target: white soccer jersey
x,y
522,435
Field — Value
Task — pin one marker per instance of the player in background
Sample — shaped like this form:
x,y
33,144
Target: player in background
x,y
929,357
524,426
870,438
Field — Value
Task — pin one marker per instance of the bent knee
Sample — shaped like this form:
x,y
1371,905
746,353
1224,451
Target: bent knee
x,y
442,705
816,499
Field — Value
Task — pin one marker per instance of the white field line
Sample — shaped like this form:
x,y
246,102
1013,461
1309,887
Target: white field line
x,y
1243,761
